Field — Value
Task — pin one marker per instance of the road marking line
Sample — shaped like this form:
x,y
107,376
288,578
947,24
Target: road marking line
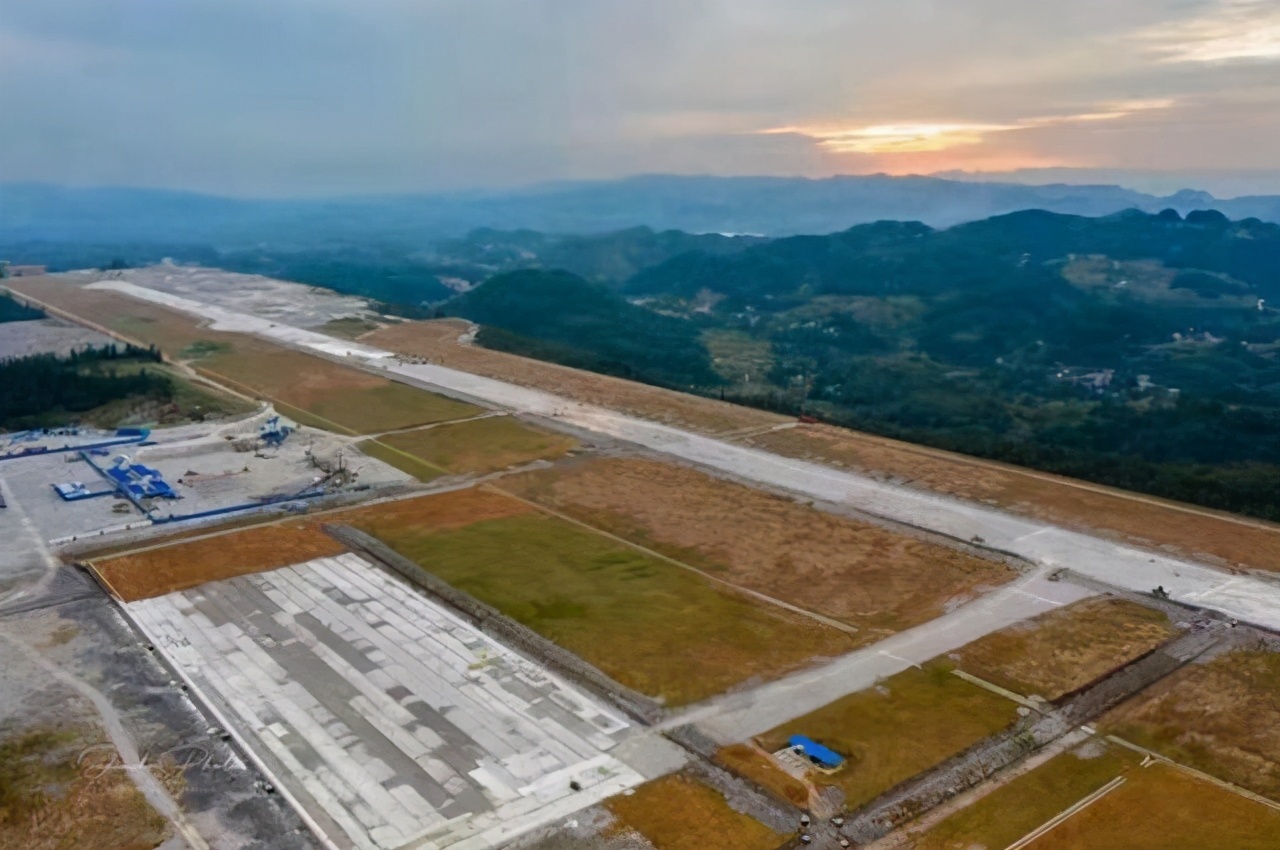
x,y
1065,815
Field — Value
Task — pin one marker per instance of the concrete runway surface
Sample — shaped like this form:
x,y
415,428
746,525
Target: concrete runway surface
x,y
1248,598
739,716
387,720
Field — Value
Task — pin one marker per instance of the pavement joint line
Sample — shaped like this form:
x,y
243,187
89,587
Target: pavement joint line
x,y
209,707
1066,814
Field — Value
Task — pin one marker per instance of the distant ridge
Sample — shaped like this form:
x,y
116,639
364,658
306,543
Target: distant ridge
x,y
774,206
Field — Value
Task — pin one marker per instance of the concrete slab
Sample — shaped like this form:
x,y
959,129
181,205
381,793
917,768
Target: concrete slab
x,y
390,721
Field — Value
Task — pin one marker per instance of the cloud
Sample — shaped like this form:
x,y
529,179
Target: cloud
x,y
924,138
1234,30
294,97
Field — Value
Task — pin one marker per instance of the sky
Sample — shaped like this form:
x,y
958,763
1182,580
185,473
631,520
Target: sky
x,y
321,97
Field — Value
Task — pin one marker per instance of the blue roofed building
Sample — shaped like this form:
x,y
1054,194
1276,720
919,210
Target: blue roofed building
x,y
815,752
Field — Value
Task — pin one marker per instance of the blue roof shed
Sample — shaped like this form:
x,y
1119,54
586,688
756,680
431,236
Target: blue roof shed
x,y
816,752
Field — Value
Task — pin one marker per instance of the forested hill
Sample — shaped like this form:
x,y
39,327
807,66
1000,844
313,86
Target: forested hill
x,y
559,316
1138,350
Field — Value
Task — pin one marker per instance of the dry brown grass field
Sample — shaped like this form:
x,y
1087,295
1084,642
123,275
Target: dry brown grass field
x,y
60,788
155,572
1221,717
1161,808
313,390
1149,521
899,728
679,812
1146,520
1066,649
878,580
438,340
755,764
650,624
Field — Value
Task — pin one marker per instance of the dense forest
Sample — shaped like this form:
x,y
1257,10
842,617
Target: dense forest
x,y
12,311
1140,351
559,316
44,389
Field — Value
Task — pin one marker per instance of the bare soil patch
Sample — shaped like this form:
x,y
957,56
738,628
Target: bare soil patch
x,y
755,764
185,565
61,788
1069,648
438,340
862,574
1221,717
439,512
680,813
1145,520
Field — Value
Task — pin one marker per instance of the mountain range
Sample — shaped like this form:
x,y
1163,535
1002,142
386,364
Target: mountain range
x,y
772,206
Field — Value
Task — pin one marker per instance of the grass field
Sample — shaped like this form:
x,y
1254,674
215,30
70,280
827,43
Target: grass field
x,y
58,791
1021,806
651,625
184,565
191,402
479,445
904,725
737,356
407,463
680,813
1147,520
755,764
1066,649
1161,808
1221,717
309,389
878,580
333,394
438,340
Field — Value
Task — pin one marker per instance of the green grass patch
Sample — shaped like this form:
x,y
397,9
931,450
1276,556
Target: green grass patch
x,y
388,407
348,328
906,724
402,461
203,348
1014,810
651,625
481,445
